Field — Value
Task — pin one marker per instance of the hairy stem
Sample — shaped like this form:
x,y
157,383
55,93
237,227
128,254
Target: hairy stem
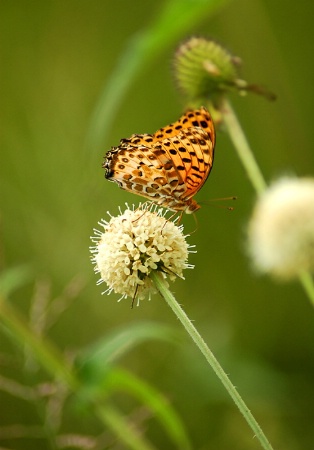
x,y
212,361
254,173
242,147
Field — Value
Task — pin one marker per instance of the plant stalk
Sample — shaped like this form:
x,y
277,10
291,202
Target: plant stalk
x,y
212,361
254,173
242,147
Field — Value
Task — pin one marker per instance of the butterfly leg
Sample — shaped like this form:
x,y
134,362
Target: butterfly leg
x,y
146,206
196,223
134,296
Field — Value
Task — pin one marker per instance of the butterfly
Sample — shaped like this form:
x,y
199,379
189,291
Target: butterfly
x,y
168,167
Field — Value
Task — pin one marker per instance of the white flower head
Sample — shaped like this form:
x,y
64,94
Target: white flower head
x,y
134,244
281,230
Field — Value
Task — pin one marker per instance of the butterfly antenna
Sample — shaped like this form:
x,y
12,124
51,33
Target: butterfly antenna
x,y
223,199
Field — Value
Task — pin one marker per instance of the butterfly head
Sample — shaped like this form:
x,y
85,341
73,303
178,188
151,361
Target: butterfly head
x,y
108,164
192,206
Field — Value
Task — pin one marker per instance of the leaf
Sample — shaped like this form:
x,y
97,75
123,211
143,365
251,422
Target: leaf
x,y
118,379
93,364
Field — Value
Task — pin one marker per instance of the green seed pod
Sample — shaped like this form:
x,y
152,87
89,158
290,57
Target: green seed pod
x,y
204,69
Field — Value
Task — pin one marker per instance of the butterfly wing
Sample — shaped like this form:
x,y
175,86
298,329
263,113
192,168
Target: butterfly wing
x,y
168,167
137,169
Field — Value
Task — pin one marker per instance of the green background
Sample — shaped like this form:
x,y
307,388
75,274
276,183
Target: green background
x,y
57,57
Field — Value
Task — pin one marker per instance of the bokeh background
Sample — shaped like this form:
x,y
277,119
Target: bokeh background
x,y
57,60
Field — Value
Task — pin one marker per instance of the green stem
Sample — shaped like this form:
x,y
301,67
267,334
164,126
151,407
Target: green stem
x,y
242,147
52,360
254,173
201,344
307,283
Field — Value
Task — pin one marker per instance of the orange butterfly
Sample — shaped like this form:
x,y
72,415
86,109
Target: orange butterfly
x,y
168,167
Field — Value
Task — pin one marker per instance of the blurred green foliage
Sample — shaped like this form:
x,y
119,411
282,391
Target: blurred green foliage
x,y
57,57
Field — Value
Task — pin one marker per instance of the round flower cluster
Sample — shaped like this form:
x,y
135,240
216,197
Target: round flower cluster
x,y
281,230
135,243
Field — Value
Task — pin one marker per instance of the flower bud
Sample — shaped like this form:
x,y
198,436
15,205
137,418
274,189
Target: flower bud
x,y
204,71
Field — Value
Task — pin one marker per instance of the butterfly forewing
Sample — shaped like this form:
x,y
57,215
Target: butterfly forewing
x,y
168,167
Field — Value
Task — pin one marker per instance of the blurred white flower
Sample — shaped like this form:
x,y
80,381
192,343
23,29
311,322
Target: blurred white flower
x,y
135,243
281,230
